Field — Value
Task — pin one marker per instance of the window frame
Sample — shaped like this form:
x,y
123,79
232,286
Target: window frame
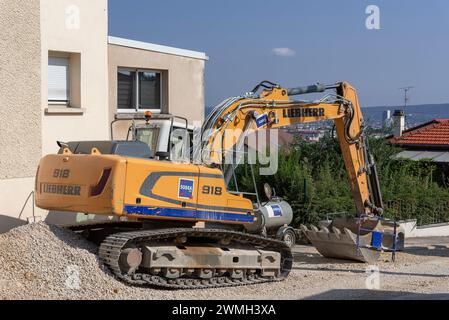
x,y
136,108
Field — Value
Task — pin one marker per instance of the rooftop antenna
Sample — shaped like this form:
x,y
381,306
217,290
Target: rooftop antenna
x,y
406,99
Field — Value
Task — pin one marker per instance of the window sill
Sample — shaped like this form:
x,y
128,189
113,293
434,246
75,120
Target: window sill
x,y
54,110
134,111
130,114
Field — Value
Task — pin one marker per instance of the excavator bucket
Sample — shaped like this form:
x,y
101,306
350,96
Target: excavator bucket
x,y
343,239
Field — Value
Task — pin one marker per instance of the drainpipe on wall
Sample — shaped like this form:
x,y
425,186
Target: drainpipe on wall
x,y
399,123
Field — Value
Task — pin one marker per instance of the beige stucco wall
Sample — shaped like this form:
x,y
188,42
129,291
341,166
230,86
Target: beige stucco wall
x,y
88,41
20,113
28,31
183,78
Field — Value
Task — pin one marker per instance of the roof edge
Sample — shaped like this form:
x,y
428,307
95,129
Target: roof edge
x,y
419,146
410,131
420,126
156,48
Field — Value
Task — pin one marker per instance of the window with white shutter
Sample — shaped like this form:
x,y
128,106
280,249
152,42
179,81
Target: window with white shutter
x,y
58,80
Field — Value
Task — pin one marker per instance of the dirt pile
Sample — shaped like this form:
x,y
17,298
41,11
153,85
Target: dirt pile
x,y
42,261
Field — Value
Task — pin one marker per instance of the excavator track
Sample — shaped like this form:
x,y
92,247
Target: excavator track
x,y
111,248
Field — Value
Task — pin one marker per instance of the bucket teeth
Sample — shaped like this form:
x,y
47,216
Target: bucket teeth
x,y
339,240
335,234
348,233
336,231
340,245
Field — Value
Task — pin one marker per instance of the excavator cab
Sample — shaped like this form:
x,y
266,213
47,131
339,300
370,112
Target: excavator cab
x,y
169,137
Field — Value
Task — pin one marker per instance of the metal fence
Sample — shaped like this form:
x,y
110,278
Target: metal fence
x,y
424,213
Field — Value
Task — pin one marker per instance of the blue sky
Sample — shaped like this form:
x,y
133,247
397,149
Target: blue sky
x,y
328,41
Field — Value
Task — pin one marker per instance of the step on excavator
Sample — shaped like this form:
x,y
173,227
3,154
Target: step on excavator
x,y
176,223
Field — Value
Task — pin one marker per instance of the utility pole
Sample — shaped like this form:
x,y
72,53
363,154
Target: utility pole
x,y
406,99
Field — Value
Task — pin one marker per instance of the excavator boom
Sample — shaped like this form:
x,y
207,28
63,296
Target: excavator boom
x,y
230,122
349,238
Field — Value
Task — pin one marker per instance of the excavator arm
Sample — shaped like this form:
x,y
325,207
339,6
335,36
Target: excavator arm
x,y
229,123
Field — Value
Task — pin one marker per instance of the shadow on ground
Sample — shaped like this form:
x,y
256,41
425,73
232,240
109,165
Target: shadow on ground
x,y
316,258
7,223
433,250
365,294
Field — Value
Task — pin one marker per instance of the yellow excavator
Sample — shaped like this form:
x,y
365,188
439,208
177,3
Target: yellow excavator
x,y
178,225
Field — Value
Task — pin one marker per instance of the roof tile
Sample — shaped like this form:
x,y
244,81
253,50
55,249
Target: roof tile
x,y
435,132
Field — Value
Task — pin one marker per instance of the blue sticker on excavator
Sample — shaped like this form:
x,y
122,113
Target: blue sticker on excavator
x,y
185,189
262,120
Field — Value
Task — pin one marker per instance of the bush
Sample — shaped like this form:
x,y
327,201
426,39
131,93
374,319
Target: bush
x,y
313,179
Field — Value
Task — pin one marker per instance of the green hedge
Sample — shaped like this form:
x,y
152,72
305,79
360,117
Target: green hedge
x,y
312,178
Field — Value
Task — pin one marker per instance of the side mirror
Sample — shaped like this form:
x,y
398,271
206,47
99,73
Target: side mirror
x,y
268,191
163,155
62,144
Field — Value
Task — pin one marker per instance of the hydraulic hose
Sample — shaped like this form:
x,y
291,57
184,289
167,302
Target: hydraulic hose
x,y
306,89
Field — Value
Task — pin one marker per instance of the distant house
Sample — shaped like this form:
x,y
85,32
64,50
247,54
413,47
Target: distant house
x,y
429,140
310,135
306,134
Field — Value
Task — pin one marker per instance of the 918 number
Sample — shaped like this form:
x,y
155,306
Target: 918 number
x,y
216,191
61,173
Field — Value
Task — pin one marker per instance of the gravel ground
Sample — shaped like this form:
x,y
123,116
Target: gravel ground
x,y
38,261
